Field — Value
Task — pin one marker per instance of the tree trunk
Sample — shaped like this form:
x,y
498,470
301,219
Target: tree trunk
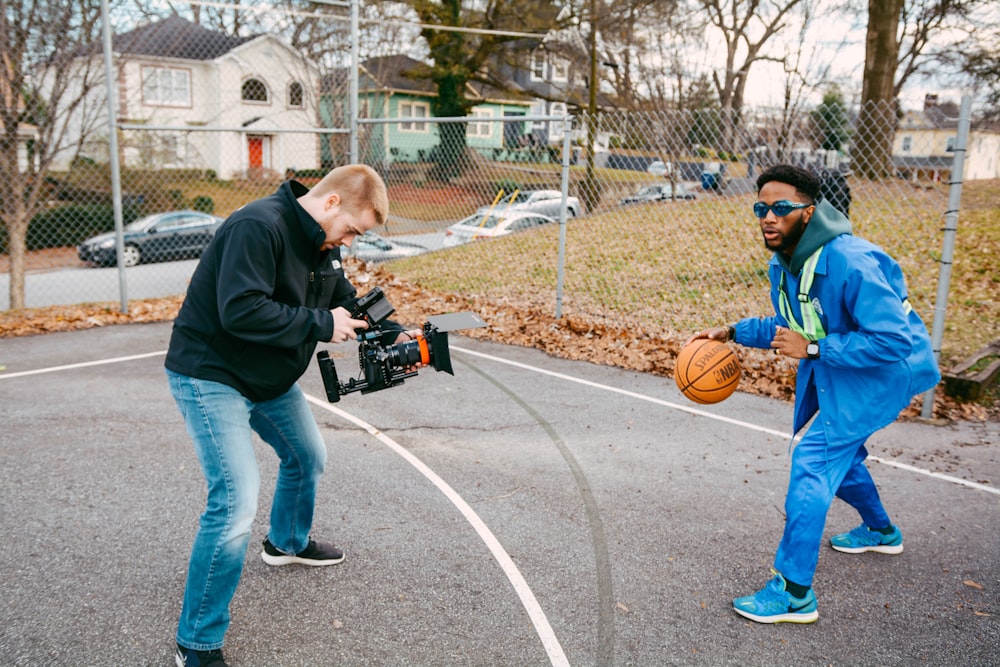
x,y
17,233
872,154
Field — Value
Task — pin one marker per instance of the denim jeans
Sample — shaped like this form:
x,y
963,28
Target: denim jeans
x,y
219,420
819,473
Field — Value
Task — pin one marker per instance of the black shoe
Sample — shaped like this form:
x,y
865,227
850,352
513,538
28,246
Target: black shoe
x,y
188,657
316,554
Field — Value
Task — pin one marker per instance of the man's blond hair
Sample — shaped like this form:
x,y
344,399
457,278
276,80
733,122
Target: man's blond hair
x,y
360,187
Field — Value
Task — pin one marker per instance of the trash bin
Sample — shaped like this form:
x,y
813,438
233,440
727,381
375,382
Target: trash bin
x,y
709,180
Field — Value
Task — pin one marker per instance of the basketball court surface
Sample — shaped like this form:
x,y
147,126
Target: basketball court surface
x,y
525,511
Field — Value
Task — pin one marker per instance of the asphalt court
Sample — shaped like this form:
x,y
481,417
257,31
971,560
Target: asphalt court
x,y
525,511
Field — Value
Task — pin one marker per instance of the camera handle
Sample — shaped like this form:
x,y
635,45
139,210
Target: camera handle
x,y
329,373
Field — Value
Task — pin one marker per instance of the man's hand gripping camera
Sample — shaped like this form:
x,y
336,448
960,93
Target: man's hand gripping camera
x,y
386,364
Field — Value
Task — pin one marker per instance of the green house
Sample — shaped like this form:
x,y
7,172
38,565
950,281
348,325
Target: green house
x,y
390,87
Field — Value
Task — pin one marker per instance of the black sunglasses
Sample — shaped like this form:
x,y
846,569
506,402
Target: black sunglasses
x,y
780,208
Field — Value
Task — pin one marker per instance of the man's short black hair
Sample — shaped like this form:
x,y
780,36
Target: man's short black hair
x,y
803,181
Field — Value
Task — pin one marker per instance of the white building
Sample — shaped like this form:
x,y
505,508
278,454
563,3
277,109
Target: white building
x,y
211,101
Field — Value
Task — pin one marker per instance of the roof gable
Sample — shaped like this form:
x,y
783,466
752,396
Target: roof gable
x,y
175,37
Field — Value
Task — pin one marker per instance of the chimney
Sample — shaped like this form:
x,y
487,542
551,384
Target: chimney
x,y
930,100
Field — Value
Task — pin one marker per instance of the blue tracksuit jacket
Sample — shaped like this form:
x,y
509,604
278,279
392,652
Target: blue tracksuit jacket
x,y
876,355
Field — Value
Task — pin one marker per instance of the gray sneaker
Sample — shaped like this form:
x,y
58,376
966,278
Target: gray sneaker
x,y
315,554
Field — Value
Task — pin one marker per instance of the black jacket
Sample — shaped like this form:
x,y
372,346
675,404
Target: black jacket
x,y
260,299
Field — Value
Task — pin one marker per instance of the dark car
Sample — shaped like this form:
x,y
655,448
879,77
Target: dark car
x,y
159,237
661,192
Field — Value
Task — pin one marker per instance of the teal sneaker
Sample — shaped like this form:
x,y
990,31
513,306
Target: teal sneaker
x,y
773,604
863,539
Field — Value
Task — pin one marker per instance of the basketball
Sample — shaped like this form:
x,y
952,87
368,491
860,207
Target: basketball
x,y
707,371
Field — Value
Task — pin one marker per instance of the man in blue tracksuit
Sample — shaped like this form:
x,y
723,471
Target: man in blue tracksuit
x,y
841,308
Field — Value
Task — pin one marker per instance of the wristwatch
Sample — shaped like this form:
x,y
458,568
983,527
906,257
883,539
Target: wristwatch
x,y
812,350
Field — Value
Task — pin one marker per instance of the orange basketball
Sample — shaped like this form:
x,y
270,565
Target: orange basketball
x,y
707,371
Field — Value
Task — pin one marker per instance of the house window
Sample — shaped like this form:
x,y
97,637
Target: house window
x,y
295,95
254,90
166,86
556,126
414,110
560,70
538,65
907,144
481,129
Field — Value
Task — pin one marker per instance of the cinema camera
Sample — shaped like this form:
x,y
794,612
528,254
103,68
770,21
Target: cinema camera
x,y
384,364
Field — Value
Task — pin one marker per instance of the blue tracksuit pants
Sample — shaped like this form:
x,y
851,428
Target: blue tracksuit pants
x,y
819,473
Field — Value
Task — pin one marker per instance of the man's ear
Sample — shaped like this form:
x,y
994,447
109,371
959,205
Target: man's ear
x,y
332,199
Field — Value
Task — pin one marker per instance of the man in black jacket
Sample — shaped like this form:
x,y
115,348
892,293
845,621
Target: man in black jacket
x,y
268,288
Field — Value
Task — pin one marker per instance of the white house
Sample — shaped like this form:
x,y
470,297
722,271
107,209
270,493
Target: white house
x,y
210,101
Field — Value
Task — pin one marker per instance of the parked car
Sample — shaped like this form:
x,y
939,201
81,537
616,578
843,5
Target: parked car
x,y
159,237
481,225
659,192
546,202
370,247
658,168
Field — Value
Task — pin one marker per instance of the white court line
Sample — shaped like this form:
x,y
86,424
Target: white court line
x,y
83,364
570,378
728,420
541,623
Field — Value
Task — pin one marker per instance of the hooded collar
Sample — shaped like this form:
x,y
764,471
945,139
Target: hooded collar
x,y
292,190
826,224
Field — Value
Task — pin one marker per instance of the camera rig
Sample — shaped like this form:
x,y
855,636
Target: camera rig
x,y
385,363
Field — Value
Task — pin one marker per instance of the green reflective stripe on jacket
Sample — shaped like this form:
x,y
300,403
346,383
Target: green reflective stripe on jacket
x,y
811,327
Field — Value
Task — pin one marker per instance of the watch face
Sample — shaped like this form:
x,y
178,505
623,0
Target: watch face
x,y
812,349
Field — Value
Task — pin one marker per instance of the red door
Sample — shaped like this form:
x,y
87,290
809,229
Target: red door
x,y
255,148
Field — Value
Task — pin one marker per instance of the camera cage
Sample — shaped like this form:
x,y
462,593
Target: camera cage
x,y
385,365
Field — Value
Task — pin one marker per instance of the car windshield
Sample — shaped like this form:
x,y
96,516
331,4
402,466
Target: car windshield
x,y
140,224
650,190
374,241
490,221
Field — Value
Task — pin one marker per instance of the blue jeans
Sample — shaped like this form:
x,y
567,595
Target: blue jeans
x,y
819,473
220,422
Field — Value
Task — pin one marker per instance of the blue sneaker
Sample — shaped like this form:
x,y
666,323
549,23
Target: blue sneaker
x,y
773,604
863,539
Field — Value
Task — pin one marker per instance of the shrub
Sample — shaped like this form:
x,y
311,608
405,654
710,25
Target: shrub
x,y
67,226
203,203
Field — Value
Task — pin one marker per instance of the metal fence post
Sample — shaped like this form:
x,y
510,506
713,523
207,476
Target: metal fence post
x,y
948,248
116,181
561,269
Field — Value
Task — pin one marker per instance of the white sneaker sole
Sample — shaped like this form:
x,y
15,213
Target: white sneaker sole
x,y
295,560
881,549
780,618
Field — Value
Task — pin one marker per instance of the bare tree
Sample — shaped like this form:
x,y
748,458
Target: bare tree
x,y
47,48
746,27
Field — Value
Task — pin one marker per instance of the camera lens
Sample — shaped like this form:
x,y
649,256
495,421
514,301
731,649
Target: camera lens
x,y
410,353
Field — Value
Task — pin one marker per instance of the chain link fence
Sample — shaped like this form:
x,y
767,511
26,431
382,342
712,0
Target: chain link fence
x,y
656,231
659,228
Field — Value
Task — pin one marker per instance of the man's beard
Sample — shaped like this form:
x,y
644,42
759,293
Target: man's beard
x,y
789,239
